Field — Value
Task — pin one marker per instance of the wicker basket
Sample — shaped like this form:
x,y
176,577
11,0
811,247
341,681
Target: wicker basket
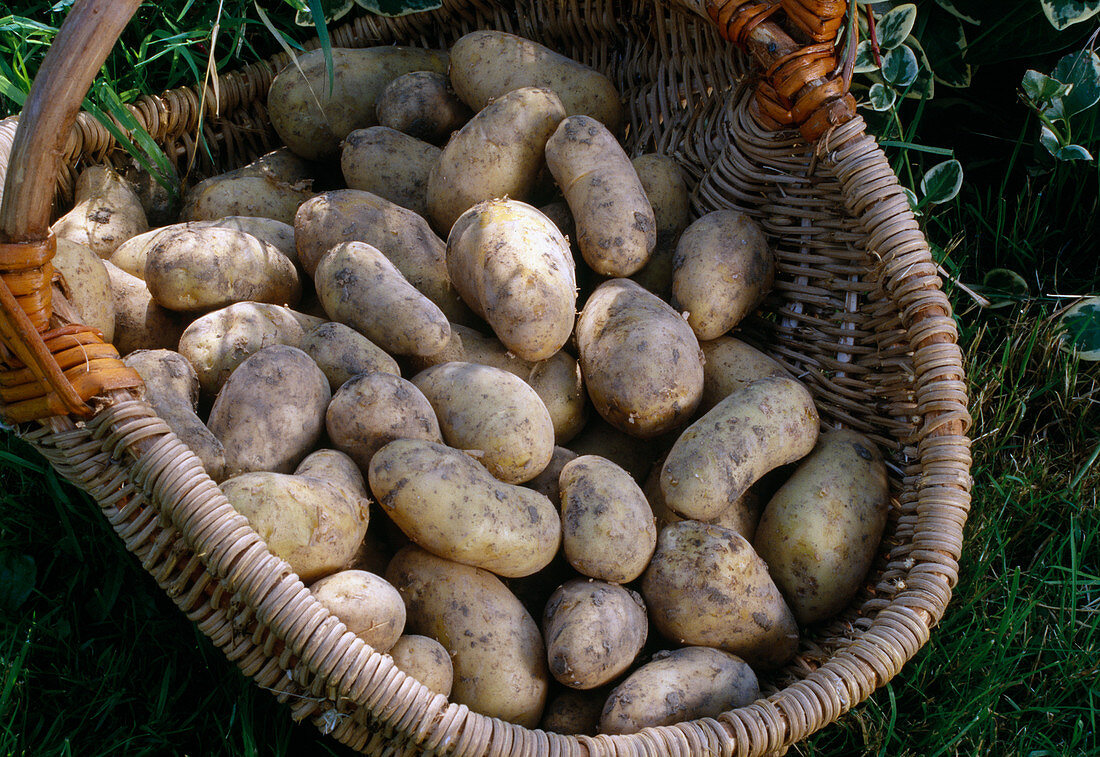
x,y
857,313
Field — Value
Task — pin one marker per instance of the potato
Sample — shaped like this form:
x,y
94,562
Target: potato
x,y
198,270
468,345
131,255
216,343
641,363
741,516
731,364
367,604
656,275
722,270
513,268
373,409
547,483
270,413
311,117
106,213
280,165
616,231
820,531
359,287
558,383
574,712
426,660
706,586
236,194
663,182
488,64
405,238
450,505
765,424
342,353
140,323
172,388
498,153
593,632
608,529
87,285
306,520
389,164
159,192
422,105
635,456
498,655
689,683
493,416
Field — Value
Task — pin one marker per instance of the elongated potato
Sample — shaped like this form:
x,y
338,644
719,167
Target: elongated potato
x,y
422,105
106,213
367,604
616,231
450,505
343,353
488,64
641,363
140,323
359,287
311,117
559,384
820,531
492,415
731,364
767,423
426,660
663,182
87,285
706,586
741,516
389,164
236,194
498,654
498,153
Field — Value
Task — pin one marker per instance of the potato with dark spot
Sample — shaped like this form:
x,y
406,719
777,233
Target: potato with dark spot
x,y
689,683
107,212
243,194
741,516
367,604
343,353
492,415
426,660
373,409
422,105
390,164
706,586
641,362
608,530
765,424
731,364
498,654
594,631
450,505
820,531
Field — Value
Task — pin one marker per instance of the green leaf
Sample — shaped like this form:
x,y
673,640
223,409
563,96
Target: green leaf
x,y
1039,87
865,58
17,576
1073,152
881,97
1080,327
942,182
1050,140
899,66
914,203
135,139
1081,71
1065,13
895,26
1005,282
945,41
399,7
924,86
317,13
949,6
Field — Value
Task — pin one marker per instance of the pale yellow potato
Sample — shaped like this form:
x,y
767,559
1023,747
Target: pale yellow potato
x,y
635,456
608,529
722,269
731,364
140,323
498,153
390,164
131,255
359,287
641,362
367,604
306,520
199,270
216,343
373,409
594,631
616,231
685,684
656,275
87,285
311,117
450,505
763,425
488,64
664,185
492,415
494,643
237,194
350,215
559,384
468,345
422,105
547,483
107,212
513,268
741,516
336,468
172,388
271,411
707,587
343,353
426,660
574,712
280,165
819,533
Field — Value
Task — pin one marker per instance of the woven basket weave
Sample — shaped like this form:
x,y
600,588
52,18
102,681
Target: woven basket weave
x,y
857,313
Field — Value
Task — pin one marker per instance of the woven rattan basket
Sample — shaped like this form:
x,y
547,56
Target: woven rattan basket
x,y
857,313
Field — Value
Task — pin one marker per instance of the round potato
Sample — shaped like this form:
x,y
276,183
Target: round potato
x,y
426,660
342,353
559,384
731,364
367,604
547,482
390,164
422,105
237,194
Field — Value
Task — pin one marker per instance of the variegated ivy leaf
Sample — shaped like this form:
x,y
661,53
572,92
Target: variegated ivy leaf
x,y
865,58
899,66
1081,71
1065,13
942,182
399,7
945,42
1080,326
881,97
1039,87
895,26
333,10
949,6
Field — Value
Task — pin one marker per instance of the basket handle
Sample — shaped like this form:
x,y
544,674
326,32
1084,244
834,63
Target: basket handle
x,y
51,366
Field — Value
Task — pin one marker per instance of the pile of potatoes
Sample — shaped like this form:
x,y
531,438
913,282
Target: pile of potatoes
x,y
586,523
